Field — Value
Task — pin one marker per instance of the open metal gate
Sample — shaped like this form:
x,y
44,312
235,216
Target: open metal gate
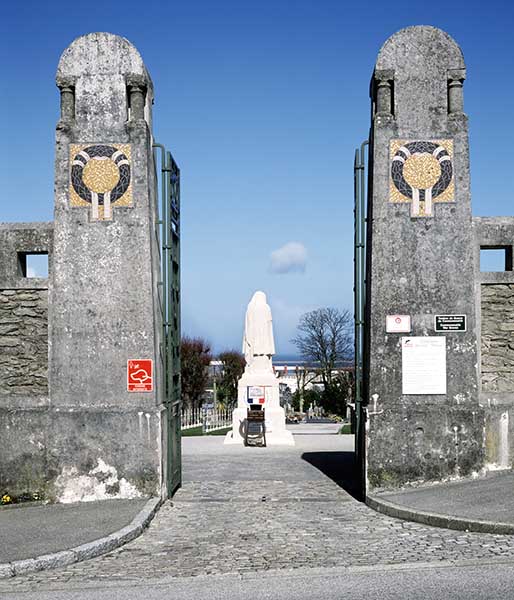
x,y
359,171
169,235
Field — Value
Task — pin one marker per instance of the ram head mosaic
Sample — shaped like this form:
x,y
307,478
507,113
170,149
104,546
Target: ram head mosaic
x,y
100,178
422,174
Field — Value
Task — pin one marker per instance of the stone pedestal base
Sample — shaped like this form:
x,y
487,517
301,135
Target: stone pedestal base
x,y
276,432
275,423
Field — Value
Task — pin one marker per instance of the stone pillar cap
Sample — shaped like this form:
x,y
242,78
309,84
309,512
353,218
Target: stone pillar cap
x,y
101,53
409,46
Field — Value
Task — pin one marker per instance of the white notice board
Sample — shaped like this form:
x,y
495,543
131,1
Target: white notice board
x,y
424,365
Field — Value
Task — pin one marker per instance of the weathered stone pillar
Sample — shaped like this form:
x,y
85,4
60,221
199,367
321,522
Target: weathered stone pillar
x,y
103,294
424,421
383,81
455,91
137,92
67,89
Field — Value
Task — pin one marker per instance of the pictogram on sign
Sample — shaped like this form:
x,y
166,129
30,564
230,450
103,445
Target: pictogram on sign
x,y
398,324
140,375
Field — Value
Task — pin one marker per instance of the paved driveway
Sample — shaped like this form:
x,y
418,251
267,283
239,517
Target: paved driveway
x,y
245,510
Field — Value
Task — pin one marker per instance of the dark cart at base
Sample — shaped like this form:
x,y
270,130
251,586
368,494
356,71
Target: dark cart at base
x,y
255,430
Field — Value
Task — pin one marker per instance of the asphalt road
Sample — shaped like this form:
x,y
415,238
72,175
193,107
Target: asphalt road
x,y
483,582
29,531
488,499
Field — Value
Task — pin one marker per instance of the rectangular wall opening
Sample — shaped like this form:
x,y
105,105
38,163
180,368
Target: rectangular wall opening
x,y
495,258
33,264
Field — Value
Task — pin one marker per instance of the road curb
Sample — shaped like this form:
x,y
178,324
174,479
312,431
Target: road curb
x,y
437,520
85,551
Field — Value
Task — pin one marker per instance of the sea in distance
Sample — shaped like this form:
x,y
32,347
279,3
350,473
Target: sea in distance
x,y
291,360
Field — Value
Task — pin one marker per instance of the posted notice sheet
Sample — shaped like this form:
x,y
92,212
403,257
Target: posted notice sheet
x,y
424,365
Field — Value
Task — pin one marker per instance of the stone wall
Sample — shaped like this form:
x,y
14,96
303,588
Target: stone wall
x,y
24,342
24,458
495,300
416,442
23,313
498,337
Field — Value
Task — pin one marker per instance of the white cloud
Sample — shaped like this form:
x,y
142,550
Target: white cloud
x,y
31,272
289,258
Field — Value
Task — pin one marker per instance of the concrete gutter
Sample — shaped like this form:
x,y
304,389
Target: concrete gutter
x,y
85,551
438,520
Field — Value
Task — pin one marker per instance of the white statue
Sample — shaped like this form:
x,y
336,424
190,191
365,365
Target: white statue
x,y
258,335
258,384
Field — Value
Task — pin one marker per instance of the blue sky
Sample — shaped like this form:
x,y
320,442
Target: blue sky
x,y
262,105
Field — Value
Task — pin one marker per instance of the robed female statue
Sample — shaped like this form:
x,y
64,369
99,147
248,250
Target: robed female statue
x,y
258,335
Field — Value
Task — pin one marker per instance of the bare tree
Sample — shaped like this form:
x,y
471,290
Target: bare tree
x,y
325,339
194,369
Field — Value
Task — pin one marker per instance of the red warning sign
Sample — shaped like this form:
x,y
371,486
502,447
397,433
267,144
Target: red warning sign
x,y
140,375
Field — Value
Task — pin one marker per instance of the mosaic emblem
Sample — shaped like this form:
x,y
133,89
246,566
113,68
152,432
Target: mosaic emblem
x,y
100,178
422,174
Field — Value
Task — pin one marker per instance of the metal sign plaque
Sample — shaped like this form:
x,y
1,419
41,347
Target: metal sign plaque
x,y
256,394
140,375
450,323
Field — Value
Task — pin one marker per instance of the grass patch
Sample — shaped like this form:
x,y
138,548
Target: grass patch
x,y
223,431
196,431
346,429
7,499
192,431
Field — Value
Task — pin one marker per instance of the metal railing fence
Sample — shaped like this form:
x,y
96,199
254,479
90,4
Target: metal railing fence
x,y
207,419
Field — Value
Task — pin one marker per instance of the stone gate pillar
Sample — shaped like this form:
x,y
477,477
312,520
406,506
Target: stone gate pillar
x,y
424,422
104,288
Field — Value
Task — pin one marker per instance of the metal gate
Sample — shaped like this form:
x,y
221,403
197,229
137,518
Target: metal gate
x,y
359,171
168,232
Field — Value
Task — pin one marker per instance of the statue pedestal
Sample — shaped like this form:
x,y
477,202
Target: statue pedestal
x,y
260,386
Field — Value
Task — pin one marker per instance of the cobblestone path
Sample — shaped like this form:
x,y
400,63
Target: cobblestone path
x,y
216,525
